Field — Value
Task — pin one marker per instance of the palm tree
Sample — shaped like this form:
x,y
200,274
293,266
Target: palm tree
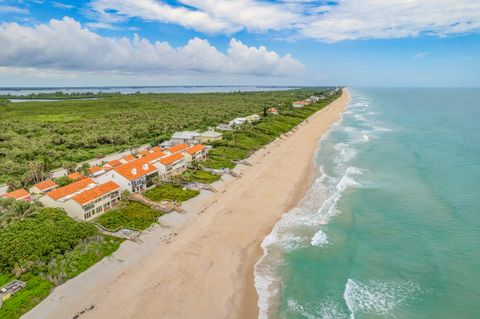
x,y
12,210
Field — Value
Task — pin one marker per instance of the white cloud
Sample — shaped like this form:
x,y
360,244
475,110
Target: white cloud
x,y
13,10
421,55
65,45
344,20
378,19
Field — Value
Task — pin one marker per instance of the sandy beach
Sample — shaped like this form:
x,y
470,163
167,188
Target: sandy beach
x,y
200,264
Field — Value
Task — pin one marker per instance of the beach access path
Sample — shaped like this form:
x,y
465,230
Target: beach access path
x,y
200,264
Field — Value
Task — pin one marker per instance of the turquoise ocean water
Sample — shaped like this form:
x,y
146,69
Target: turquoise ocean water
x,y
391,226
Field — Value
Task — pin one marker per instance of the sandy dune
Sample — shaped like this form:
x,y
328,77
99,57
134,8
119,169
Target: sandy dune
x,y
201,266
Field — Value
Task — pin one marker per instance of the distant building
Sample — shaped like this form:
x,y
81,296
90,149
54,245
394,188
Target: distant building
x,y
299,104
237,122
224,127
176,149
188,137
19,194
210,136
272,110
43,187
127,158
84,199
75,176
96,171
110,165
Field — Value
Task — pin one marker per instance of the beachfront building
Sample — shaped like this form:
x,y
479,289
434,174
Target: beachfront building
x,y
110,165
127,159
196,153
176,149
224,127
43,187
210,136
253,118
187,137
135,177
172,165
84,199
299,104
76,176
96,171
237,122
19,194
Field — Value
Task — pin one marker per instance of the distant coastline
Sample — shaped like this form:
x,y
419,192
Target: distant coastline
x,y
23,91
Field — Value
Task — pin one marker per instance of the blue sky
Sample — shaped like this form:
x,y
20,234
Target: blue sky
x,y
284,42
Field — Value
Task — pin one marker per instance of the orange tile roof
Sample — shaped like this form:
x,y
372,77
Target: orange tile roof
x,y
45,185
171,159
195,149
126,169
61,192
18,194
96,192
129,158
155,149
153,156
177,148
114,163
94,169
143,153
75,176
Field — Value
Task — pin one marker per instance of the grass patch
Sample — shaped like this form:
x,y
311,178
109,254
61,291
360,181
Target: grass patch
x,y
36,290
199,176
129,215
170,192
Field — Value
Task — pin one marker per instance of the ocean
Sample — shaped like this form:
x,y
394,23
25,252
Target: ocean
x,y
391,226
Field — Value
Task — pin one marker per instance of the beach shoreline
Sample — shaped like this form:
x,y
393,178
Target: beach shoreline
x,y
201,264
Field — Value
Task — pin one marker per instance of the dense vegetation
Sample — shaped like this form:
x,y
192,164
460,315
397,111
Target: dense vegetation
x,y
133,215
238,145
36,137
198,176
170,192
44,247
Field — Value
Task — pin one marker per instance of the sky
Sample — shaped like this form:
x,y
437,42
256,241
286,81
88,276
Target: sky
x,y
408,43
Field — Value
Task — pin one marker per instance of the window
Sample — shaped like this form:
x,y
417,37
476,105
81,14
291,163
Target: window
x,y
86,215
99,209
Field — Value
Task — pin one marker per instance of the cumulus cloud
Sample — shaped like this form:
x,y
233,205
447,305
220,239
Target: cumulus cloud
x,y
377,19
328,21
209,16
66,45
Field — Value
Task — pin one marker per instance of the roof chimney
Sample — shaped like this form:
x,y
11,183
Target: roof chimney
x,y
134,171
145,167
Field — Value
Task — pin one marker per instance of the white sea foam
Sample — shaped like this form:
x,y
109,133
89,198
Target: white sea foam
x,y
319,239
376,297
324,310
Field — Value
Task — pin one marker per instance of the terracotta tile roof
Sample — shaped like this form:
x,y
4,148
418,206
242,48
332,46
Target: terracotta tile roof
x,y
18,194
129,158
177,148
143,153
45,185
96,192
114,163
155,149
195,149
74,187
94,169
171,159
140,166
75,176
153,156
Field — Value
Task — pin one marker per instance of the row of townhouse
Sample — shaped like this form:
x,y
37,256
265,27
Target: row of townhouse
x,y
312,99
88,197
238,122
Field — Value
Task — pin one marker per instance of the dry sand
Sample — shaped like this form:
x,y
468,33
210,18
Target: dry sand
x,y
200,265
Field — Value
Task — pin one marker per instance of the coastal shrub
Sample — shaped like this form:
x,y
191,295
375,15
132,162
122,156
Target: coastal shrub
x,y
24,300
167,191
200,176
28,244
129,215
